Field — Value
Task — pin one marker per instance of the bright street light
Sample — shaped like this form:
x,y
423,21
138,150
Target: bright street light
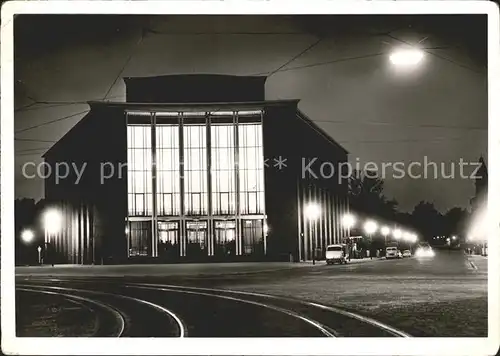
x,y
370,227
52,220
312,211
407,236
27,235
406,57
385,230
348,220
397,234
453,237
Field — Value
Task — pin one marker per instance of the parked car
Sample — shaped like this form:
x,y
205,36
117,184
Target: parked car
x,y
406,253
392,252
336,253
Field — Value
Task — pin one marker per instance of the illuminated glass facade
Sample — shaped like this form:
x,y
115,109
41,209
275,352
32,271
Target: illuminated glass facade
x,y
195,184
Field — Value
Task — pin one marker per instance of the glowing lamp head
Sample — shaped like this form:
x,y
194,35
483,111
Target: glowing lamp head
x,y
385,231
27,235
53,221
406,57
370,227
348,220
312,211
398,234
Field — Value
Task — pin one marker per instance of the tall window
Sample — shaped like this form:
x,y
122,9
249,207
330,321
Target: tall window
x,y
251,168
140,192
195,169
223,171
168,170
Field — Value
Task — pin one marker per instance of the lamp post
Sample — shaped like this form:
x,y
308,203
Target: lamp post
x,y
349,220
385,231
312,212
370,228
39,255
27,236
397,234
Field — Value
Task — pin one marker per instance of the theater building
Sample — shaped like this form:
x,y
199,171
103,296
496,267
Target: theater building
x,y
194,168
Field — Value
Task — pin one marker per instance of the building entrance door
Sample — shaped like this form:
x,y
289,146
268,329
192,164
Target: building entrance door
x,y
168,239
139,243
225,238
196,244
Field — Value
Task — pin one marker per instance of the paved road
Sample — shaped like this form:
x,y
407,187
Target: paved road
x,y
283,299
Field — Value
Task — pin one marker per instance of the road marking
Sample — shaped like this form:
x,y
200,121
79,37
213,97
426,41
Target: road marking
x,y
473,265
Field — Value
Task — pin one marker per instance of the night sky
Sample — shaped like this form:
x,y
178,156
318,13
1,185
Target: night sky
x,y
345,81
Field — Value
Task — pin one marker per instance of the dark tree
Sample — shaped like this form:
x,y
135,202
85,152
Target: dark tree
x,y
455,222
366,196
427,219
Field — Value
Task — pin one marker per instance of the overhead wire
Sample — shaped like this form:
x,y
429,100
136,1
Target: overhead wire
x,y
402,124
52,121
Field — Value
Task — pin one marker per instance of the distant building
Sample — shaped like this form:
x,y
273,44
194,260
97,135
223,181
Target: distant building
x,y
195,168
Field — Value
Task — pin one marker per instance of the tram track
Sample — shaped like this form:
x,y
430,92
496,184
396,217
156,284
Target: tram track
x,y
138,317
109,321
211,312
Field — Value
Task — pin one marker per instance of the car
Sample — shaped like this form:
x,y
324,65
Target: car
x,y
406,253
336,253
392,252
424,251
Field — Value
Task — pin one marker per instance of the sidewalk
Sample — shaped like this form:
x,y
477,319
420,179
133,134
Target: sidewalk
x,y
352,261
186,269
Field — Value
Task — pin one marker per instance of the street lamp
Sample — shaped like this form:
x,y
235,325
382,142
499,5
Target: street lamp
x,y
52,221
312,212
406,57
348,220
385,230
39,249
397,234
370,227
27,235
